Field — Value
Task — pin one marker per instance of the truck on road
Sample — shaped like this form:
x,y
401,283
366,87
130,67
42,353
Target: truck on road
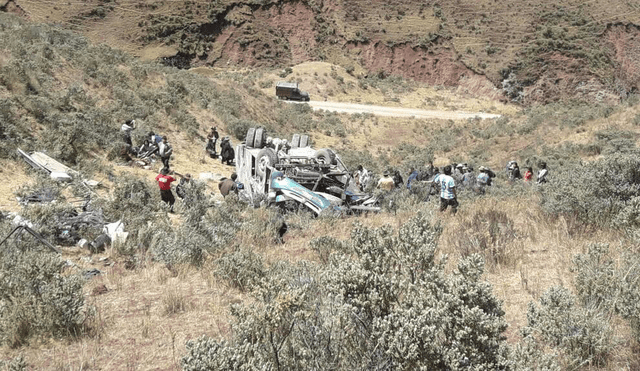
x,y
290,91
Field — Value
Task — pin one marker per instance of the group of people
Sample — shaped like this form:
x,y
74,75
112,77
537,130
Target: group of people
x,y
513,172
452,177
152,145
227,153
165,178
156,146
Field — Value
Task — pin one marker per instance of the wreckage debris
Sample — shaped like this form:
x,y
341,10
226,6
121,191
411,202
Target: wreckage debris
x,y
89,274
55,169
44,195
19,230
99,244
293,174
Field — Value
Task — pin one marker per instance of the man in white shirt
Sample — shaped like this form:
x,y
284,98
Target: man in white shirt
x,y
542,173
126,130
447,190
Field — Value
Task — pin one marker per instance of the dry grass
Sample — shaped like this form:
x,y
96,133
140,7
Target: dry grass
x,y
144,320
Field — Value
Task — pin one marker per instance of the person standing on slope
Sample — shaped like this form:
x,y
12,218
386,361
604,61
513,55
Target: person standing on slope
x,y
447,185
164,180
542,173
165,151
386,183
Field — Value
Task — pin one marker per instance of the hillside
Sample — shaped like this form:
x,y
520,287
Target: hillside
x,y
538,51
523,277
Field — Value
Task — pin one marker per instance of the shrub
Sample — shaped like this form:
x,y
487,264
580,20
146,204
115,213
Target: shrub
x,y
612,287
286,72
36,298
184,246
601,193
352,159
324,246
16,364
582,333
413,156
239,128
243,269
173,301
133,201
615,141
529,355
382,300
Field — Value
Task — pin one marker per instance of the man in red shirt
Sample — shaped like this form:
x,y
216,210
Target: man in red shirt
x,y
164,181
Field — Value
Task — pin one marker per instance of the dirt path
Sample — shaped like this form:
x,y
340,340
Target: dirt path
x,y
397,111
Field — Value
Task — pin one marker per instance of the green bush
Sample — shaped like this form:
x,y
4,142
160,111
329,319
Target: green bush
x,y
582,333
239,128
612,287
613,141
38,299
243,269
599,193
410,155
529,355
382,300
16,364
75,122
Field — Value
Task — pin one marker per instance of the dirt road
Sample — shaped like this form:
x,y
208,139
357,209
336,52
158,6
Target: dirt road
x,y
397,111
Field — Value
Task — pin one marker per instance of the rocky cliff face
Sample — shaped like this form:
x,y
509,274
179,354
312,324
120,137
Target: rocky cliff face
x,y
538,50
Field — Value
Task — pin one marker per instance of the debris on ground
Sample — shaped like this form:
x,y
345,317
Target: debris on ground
x,y
210,176
18,231
55,169
83,244
20,221
70,224
99,290
116,232
44,195
106,262
89,274
100,243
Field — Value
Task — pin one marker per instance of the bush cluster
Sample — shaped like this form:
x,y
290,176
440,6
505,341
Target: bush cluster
x,y
610,286
603,192
382,301
38,298
582,333
16,364
76,121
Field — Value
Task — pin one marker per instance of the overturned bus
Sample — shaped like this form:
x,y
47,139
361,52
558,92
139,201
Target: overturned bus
x,y
293,175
